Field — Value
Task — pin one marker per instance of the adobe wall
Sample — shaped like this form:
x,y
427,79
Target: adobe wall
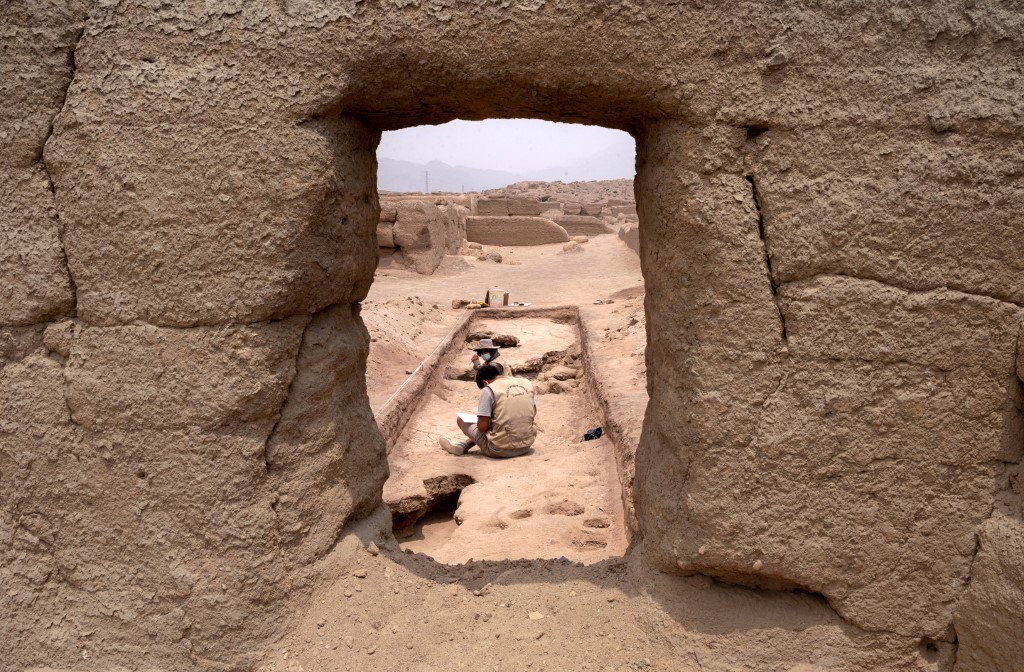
x,y
833,367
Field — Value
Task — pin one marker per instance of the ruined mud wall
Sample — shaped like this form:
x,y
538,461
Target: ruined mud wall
x,y
828,196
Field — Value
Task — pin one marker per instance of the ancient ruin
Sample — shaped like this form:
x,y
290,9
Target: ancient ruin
x,y
828,472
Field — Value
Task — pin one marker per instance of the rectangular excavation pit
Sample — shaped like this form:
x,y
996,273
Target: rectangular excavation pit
x,y
564,499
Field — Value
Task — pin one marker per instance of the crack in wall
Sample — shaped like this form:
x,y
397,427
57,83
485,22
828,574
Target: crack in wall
x,y
1007,485
763,234
284,400
902,288
41,160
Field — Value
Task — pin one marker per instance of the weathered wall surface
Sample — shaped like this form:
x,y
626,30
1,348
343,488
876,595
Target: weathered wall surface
x,y
37,49
583,225
629,233
455,227
514,231
422,231
834,400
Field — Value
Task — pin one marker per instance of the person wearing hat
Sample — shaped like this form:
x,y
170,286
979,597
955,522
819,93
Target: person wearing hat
x,y
486,351
505,417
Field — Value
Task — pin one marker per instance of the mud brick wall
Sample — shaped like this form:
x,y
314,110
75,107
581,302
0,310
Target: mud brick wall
x,y
829,199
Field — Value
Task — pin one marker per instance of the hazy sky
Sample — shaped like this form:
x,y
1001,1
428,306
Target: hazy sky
x,y
515,145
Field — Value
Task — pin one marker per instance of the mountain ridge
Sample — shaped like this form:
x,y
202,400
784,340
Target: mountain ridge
x,y
407,176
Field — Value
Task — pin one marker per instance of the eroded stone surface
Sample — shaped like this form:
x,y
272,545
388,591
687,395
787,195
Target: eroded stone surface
x,y
420,232
582,225
514,231
35,71
991,614
288,228
213,165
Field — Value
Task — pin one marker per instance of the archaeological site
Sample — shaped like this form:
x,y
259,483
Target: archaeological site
x,y
228,358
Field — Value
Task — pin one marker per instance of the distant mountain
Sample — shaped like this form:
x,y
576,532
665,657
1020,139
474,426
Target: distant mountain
x,y
394,175
616,162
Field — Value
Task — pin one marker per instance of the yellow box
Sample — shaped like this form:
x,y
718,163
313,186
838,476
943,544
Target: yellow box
x,y
497,297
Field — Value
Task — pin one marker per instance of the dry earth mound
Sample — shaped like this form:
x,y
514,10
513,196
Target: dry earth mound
x,y
593,191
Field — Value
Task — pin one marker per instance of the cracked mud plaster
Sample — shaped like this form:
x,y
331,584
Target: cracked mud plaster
x,y
763,234
49,179
35,284
274,219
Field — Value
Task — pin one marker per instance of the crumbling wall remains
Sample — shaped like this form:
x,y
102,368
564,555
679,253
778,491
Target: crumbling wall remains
x,y
514,231
455,227
834,284
629,233
583,225
419,232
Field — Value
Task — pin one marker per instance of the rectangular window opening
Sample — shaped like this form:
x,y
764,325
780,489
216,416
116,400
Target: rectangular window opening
x,y
526,233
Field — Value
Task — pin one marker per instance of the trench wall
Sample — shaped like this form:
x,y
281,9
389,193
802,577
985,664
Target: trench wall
x,y
828,195
396,411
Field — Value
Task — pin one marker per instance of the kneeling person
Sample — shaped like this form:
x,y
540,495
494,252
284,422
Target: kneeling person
x,y
505,417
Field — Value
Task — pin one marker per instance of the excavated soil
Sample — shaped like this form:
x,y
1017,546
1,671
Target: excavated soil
x,y
564,500
561,500
508,589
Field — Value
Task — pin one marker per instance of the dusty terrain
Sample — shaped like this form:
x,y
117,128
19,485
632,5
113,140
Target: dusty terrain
x,y
528,572
566,499
562,500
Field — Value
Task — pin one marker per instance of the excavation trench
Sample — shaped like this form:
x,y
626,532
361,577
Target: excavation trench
x,y
563,499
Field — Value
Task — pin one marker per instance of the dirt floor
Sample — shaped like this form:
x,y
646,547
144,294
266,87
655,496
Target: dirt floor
x,y
454,597
564,500
561,500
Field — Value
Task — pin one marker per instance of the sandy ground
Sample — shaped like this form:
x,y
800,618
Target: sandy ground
x,y
391,611
565,498
383,607
561,500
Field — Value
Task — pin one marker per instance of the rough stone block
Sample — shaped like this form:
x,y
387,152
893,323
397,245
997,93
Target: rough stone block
x,y
954,233
592,209
34,281
583,225
492,207
386,235
523,206
388,212
514,231
845,319
420,233
990,616
327,459
289,228
144,377
885,392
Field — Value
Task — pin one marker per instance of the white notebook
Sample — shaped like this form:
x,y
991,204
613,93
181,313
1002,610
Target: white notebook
x,y
468,417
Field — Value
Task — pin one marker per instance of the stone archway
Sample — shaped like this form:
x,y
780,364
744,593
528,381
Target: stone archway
x,y
213,178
